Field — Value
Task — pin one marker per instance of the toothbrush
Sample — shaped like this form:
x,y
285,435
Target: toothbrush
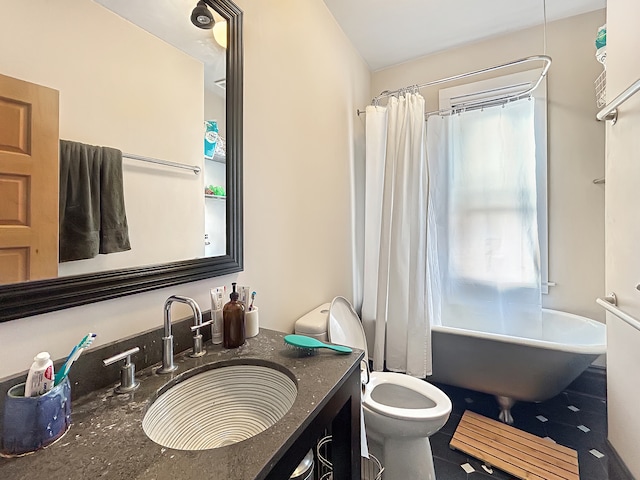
x,y
73,356
253,297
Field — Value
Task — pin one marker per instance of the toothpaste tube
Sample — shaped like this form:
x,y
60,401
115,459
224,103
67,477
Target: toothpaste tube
x,y
217,302
244,296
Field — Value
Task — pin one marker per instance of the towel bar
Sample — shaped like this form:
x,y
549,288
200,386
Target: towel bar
x,y
194,168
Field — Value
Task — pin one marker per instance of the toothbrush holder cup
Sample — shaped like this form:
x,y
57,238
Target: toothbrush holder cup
x,y
31,423
251,324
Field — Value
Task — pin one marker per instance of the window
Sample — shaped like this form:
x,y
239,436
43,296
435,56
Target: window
x,y
497,186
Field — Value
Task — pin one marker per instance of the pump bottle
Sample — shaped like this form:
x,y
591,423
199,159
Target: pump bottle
x,y
233,321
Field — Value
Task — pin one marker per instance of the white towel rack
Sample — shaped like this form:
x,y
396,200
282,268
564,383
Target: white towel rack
x,y
611,308
610,112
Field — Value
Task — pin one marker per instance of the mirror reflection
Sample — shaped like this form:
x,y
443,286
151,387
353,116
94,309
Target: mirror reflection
x,y
139,78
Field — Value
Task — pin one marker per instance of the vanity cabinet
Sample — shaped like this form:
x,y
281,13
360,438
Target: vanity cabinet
x,y
342,414
106,438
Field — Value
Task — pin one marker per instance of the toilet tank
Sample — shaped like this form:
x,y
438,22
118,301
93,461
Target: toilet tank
x,y
314,323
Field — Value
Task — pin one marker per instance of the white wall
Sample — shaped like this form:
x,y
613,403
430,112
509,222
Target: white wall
x,y
214,109
576,143
124,88
303,84
623,232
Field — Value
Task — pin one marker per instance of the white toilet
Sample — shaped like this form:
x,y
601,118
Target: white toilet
x,y
400,412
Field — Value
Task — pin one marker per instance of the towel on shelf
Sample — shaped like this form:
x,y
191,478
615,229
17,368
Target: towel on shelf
x,y
92,214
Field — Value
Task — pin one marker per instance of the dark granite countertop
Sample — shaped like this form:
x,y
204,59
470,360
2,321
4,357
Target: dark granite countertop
x,y
106,439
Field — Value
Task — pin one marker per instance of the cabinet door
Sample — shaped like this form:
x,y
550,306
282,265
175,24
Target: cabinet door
x,y
29,180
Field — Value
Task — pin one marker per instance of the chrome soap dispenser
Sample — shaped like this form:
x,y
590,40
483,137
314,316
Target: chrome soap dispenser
x,y
233,331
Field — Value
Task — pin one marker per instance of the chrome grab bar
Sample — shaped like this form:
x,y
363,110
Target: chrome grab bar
x,y
610,112
611,299
609,305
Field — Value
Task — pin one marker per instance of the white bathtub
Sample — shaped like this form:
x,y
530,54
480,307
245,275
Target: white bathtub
x,y
534,362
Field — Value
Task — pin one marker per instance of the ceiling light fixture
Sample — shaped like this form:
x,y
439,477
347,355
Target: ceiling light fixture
x,y
220,33
201,17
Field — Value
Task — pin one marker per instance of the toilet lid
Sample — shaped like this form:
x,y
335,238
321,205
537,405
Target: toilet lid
x,y
344,326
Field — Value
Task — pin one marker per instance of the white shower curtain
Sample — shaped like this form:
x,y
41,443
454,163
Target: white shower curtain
x,y
484,256
394,308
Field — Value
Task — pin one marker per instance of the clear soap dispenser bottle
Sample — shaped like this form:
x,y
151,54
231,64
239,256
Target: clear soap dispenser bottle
x,y
233,332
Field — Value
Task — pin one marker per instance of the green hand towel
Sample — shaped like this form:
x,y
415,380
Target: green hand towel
x,y
114,231
92,213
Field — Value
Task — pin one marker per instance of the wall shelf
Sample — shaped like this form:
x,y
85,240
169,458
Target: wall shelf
x,y
220,197
217,158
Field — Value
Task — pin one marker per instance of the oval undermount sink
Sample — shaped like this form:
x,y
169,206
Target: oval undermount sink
x,y
219,407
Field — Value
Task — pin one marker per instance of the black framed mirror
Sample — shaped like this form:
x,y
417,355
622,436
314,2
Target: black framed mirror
x,y
22,299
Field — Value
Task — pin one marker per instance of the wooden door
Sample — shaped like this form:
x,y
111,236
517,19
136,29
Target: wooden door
x,y
29,180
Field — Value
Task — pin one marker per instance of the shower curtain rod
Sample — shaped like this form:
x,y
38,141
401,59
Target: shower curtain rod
x,y
194,168
479,104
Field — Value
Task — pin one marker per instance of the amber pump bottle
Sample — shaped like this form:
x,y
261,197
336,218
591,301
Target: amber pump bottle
x,y
233,334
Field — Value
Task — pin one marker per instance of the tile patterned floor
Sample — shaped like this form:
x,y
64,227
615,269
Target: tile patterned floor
x,y
574,419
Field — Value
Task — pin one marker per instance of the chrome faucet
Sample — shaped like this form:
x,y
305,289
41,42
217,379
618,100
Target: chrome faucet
x,y
167,339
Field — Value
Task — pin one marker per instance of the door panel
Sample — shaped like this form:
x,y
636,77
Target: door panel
x,y
16,121
29,181
14,264
14,191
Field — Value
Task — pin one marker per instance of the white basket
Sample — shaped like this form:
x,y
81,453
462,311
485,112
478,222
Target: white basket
x,y
371,468
601,89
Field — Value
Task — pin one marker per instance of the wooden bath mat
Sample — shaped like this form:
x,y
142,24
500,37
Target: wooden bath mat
x,y
516,452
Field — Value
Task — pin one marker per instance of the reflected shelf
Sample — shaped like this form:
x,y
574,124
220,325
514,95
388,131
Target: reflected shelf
x,y
221,197
217,158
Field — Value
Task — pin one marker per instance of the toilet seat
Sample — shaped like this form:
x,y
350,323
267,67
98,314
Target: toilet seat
x,y
400,412
344,327
442,404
